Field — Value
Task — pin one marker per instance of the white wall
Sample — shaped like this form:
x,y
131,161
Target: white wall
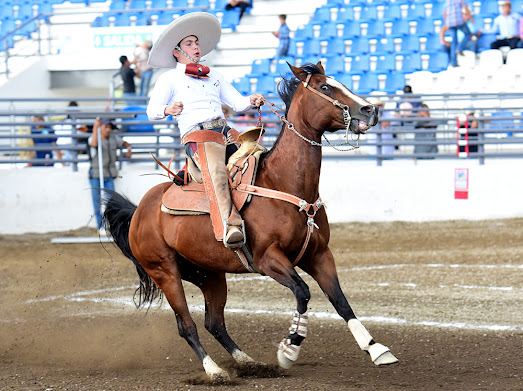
x,y
41,199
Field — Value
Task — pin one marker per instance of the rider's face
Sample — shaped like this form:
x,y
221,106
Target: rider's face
x,y
191,46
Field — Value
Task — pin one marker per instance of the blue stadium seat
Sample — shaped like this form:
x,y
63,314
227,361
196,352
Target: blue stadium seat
x,y
122,19
432,43
181,3
416,11
220,5
437,9
489,8
328,31
345,15
485,40
231,19
168,16
351,29
282,69
45,7
159,4
367,83
243,85
266,85
312,47
345,79
384,45
369,13
304,32
375,28
424,26
394,82
139,117
260,67
201,3
336,45
410,62
384,63
400,27
117,5
361,64
357,45
409,44
322,15
438,62
335,65
137,4
393,12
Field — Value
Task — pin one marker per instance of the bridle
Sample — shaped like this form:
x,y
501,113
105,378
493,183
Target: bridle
x,y
346,119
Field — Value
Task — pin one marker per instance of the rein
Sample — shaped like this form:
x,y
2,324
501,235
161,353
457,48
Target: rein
x,y
346,119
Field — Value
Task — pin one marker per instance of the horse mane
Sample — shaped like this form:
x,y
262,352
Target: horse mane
x,y
287,86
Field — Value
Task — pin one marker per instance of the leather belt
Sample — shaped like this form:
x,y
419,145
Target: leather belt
x,y
207,125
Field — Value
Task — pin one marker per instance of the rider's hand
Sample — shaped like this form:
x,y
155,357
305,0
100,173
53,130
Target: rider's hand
x,y
256,100
175,109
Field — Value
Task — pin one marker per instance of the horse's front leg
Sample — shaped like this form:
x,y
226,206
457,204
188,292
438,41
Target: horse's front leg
x,y
275,264
323,270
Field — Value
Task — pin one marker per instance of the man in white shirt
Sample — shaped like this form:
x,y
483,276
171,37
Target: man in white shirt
x,y
507,26
194,94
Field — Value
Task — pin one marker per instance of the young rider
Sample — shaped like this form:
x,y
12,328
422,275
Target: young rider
x,y
194,94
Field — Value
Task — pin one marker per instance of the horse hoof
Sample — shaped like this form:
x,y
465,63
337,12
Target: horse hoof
x,y
219,377
385,359
283,361
215,373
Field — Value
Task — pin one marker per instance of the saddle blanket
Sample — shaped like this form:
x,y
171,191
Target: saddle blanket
x,y
191,199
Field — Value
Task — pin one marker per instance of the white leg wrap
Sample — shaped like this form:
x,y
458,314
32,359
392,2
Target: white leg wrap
x,y
213,370
240,357
287,352
379,353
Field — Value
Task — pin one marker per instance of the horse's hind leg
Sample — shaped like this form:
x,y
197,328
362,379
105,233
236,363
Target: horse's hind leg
x,y
323,270
168,278
214,288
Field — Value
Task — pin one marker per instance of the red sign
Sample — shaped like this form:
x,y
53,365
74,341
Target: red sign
x,y
461,184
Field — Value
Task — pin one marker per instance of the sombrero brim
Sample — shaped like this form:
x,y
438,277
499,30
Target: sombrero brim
x,y
203,25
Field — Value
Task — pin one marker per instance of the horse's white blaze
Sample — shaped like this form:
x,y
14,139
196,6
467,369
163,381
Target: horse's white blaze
x,y
241,357
213,370
347,92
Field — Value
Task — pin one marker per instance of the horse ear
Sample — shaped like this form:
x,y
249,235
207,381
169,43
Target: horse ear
x,y
321,67
298,72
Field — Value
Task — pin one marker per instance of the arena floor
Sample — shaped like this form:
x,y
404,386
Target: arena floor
x,y
446,297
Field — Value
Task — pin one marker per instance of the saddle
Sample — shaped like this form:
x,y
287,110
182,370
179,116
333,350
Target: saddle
x,y
191,199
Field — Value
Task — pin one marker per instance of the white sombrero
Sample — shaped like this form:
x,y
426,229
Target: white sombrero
x,y
203,25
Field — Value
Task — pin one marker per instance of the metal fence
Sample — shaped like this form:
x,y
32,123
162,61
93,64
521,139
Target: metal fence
x,y
499,132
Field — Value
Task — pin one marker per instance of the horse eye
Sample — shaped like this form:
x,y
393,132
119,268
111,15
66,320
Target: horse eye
x,y
324,87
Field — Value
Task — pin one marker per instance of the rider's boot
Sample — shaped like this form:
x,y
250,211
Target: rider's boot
x,y
226,220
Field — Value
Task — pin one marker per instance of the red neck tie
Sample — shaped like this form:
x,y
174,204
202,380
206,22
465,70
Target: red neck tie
x,y
197,70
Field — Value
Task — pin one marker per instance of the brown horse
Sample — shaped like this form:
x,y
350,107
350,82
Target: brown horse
x,y
167,249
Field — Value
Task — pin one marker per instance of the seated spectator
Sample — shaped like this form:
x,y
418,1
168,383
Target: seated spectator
x,y
507,26
49,142
242,4
431,145
520,44
471,45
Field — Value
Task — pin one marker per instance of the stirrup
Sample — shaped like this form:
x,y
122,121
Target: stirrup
x,y
235,244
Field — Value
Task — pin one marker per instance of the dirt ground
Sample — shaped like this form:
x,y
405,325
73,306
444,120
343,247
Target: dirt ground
x,y
445,297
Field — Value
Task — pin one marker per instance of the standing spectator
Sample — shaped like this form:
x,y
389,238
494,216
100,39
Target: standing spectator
x,y
453,14
429,138
128,75
507,26
283,34
141,56
242,4
471,123
110,144
48,142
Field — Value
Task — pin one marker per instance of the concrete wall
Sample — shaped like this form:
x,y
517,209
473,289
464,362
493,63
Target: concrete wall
x,y
41,199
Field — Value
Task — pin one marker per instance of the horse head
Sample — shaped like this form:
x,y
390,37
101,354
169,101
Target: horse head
x,y
335,105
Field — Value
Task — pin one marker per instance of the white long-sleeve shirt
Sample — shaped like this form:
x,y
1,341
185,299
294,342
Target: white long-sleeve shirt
x,y
202,98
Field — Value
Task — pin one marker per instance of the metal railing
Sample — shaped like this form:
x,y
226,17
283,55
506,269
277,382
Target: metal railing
x,y
499,133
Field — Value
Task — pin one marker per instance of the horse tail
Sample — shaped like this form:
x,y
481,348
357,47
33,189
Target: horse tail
x,y
117,220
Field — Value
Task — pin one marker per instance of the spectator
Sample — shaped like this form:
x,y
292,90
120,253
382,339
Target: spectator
x,y
242,4
471,45
454,15
49,142
506,26
429,138
110,144
283,34
64,130
141,56
128,75
471,123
